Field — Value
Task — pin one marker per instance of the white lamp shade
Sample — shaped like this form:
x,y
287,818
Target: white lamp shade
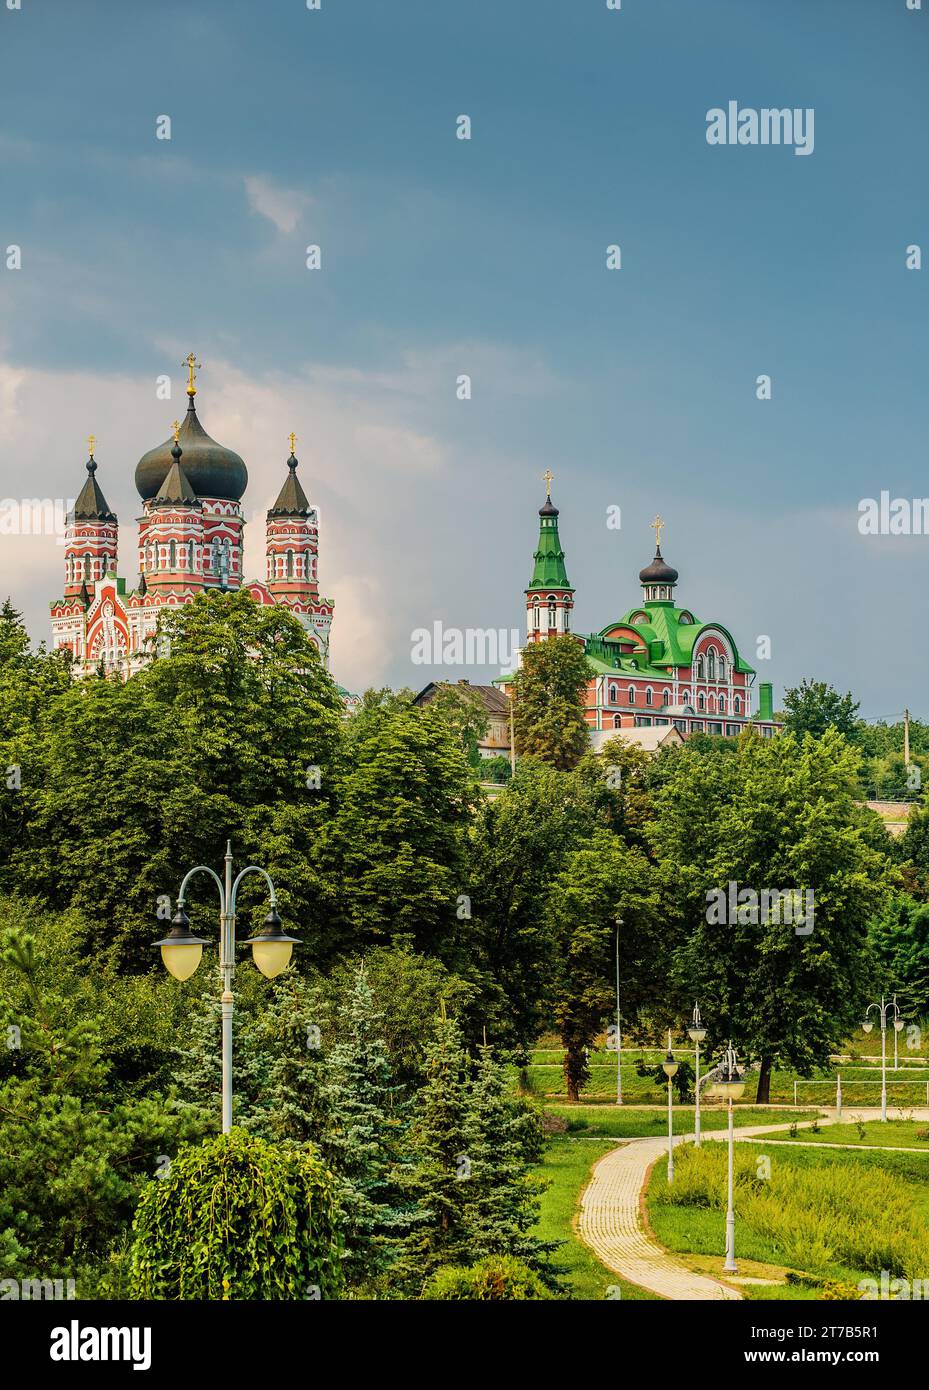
x,y
181,959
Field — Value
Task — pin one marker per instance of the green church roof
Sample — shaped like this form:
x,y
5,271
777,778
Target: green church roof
x,y
549,571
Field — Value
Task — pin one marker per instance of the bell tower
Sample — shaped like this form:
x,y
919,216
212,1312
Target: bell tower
x,y
549,597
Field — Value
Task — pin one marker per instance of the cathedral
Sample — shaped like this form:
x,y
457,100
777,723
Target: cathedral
x,y
657,667
189,542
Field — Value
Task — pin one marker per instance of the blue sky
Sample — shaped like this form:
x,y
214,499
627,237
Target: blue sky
x,y
487,257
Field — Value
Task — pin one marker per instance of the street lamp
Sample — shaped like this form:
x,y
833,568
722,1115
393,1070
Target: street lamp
x,y
730,1081
696,1032
619,1035
867,1024
669,1067
181,951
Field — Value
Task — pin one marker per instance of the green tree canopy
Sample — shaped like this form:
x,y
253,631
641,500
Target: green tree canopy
x,y
549,710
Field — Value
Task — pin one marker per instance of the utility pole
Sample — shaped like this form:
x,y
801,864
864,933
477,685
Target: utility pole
x,y
512,735
906,738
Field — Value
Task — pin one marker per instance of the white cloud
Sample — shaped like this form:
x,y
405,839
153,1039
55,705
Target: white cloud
x,y
282,206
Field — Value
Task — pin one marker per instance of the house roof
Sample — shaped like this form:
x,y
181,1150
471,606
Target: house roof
x,y
650,738
493,700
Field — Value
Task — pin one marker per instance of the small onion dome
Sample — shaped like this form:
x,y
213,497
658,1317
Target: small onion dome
x,y
548,508
211,469
659,571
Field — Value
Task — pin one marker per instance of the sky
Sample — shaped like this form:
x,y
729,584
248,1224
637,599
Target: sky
x,y
487,257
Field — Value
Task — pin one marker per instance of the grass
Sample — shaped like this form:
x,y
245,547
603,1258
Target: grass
x,y
894,1134
624,1122
567,1166
832,1216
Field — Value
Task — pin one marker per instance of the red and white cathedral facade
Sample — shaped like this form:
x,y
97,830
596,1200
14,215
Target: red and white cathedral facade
x,y
189,542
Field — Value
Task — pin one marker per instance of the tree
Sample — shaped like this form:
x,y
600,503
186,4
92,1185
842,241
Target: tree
x,y
779,817
519,844
549,709
239,1219
498,1277
601,881
504,1141
367,1128
812,707
437,1182
899,937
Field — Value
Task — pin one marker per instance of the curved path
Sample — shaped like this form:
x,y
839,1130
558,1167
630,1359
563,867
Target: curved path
x,y
611,1225
610,1222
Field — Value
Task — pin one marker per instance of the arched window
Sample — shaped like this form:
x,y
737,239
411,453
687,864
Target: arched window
x,y
290,564
617,721
737,704
685,697
722,704
172,556
722,667
711,664
649,695
552,610
701,702
632,694
701,668
711,704
666,697
86,566
536,616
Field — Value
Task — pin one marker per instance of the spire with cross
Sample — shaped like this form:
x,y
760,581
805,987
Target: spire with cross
x,y
193,366
656,526
548,478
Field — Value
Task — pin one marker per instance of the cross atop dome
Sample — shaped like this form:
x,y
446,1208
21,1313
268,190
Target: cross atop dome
x,y
656,526
192,365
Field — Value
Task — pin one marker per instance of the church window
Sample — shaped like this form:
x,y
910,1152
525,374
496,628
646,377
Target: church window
x,y
685,697
536,616
737,704
551,611
632,694
666,697
711,664
701,702
614,695
722,667
649,695
86,566
722,704
172,555
290,564
701,668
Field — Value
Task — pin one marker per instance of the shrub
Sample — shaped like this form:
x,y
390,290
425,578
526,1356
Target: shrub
x,y
238,1218
491,1279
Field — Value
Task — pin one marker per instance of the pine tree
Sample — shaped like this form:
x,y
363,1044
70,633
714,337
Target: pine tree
x,y
438,1180
367,1129
504,1141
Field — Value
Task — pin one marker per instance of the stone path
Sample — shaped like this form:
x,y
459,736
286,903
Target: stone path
x,y
610,1222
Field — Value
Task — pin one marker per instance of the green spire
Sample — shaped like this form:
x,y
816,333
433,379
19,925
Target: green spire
x,y
549,571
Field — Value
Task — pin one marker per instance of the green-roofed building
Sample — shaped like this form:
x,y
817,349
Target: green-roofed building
x,y
657,664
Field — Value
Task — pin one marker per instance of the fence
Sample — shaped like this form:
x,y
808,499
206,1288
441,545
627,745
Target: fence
x,y
856,1082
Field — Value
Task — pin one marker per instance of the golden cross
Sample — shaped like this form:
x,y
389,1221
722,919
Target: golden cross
x,y
293,440
177,430
548,478
656,527
191,363
91,440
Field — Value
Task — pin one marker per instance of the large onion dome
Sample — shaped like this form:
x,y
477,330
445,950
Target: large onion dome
x,y
211,469
659,571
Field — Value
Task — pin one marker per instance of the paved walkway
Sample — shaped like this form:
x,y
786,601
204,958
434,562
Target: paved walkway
x,y
611,1225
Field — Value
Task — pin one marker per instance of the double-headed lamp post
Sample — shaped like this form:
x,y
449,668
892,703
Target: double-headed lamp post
x,y
696,1032
669,1067
181,951
730,1081
619,1034
867,1024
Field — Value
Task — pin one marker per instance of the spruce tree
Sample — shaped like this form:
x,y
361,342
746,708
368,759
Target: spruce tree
x,y
367,1129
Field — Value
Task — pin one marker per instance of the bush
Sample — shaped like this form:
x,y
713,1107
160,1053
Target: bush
x,y
497,1277
238,1218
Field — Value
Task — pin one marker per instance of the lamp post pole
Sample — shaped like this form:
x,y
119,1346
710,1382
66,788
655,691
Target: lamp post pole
x,y
181,951
697,1033
619,1034
867,1024
669,1067
732,1083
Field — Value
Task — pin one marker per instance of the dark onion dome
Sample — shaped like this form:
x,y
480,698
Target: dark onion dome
x,y
90,503
292,500
659,571
548,508
211,469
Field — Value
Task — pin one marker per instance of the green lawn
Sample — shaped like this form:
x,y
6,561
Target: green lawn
x,y
827,1215
625,1122
893,1134
567,1166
